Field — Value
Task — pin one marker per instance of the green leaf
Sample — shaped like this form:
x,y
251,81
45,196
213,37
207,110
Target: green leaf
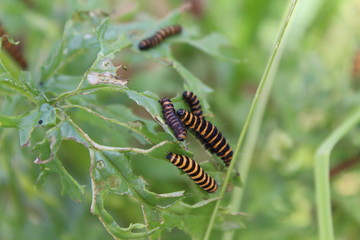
x,y
78,38
110,46
44,115
49,146
60,83
9,121
69,186
150,102
123,116
103,66
147,100
211,44
111,173
18,82
195,85
192,219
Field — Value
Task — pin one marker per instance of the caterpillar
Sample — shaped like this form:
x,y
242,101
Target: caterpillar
x,y
193,102
209,135
172,119
159,36
14,51
194,171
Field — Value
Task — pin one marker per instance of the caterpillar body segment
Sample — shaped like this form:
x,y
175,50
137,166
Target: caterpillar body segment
x,y
172,119
194,171
159,36
208,134
194,103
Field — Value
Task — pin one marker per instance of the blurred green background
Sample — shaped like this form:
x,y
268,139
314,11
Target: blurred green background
x,y
314,90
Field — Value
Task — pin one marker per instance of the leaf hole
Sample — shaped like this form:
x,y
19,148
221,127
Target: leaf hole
x,y
100,164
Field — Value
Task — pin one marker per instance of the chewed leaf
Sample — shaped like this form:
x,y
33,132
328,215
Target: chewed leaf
x,y
60,83
49,146
194,84
42,116
134,231
192,219
78,38
110,46
123,116
105,78
69,185
150,102
114,164
112,173
147,100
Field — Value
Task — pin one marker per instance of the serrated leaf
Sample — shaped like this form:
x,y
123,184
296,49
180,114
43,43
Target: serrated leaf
x,y
192,219
194,84
134,231
112,173
60,83
78,38
103,70
150,102
49,146
69,185
70,132
44,115
124,116
110,46
147,100
119,163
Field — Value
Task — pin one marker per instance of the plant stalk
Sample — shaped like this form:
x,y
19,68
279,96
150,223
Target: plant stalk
x,y
273,59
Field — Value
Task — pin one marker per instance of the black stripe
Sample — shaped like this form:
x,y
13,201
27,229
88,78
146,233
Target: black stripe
x,y
159,36
205,138
194,103
172,119
188,161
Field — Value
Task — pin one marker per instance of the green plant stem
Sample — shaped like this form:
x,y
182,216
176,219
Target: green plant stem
x,y
8,121
264,79
87,90
128,126
9,64
251,139
322,181
116,149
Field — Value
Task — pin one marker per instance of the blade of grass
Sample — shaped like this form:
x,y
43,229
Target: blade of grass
x,y
274,58
322,180
251,138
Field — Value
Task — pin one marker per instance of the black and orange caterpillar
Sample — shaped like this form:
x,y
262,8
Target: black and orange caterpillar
x,y
14,51
172,119
159,36
209,135
194,103
194,171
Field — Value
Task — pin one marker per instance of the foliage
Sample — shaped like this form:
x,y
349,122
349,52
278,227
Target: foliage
x,y
78,109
